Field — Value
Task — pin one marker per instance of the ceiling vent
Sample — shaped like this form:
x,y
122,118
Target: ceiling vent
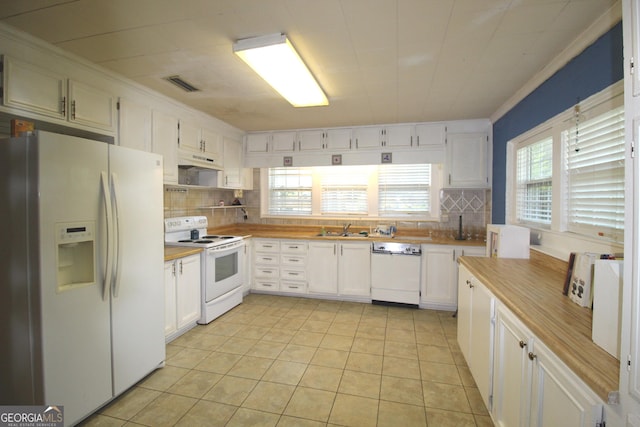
x,y
177,80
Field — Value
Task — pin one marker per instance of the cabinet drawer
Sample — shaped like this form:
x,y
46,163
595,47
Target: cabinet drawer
x,y
266,285
266,272
292,260
266,259
293,247
292,286
293,274
270,246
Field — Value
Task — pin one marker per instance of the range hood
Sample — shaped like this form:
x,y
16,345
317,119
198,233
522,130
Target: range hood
x,y
188,159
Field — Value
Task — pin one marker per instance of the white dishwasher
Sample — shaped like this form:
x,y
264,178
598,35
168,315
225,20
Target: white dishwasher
x,y
395,273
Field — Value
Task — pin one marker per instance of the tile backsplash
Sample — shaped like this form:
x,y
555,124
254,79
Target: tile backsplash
x,y
472,204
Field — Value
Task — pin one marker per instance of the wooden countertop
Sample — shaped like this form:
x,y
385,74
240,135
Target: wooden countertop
x,y
532,290
311,233
175,252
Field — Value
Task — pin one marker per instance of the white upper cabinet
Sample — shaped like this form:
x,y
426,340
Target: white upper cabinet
x,y
234,175
91,106
134,125
338,139
367,138
400,136
165,142
34,89
467,160
200,145
316,140
257,142
430,135
283,142
311,140
44,92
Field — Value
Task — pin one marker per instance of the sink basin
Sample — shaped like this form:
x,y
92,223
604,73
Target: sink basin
x,y
336,234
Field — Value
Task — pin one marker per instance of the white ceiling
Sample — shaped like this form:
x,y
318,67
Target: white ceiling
x,y
379,61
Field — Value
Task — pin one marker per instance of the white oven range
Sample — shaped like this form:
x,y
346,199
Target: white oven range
x,y
221,263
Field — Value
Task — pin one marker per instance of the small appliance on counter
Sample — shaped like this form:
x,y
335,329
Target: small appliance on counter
x,y
507,241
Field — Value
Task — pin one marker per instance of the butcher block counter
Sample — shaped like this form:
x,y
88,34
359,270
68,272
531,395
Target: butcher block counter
x,y
532,290
175,252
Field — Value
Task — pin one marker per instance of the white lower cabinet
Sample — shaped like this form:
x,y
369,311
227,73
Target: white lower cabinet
x,y
354,269
182,294
340,268
439,275
323,267
532,386
476,311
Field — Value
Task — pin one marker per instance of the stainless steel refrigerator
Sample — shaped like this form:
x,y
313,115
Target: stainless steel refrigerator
x,y
81,271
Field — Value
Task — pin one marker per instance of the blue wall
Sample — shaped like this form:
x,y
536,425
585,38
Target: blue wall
x,y
597,67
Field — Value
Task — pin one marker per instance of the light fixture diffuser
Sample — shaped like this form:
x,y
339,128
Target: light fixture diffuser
x,y
277,62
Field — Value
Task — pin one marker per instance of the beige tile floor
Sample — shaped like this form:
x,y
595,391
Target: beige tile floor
x,y
283,361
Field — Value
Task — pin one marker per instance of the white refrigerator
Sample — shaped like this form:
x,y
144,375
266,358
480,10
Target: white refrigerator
x,y
81,271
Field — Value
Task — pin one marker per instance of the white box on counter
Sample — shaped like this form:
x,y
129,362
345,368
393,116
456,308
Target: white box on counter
x,y
607,287
507,241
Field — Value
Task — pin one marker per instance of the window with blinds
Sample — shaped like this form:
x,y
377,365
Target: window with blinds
x,y
534,167
595,175
290,191
344,189
404,189
374,191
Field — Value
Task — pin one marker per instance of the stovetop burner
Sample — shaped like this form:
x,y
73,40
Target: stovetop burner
x,y
178,231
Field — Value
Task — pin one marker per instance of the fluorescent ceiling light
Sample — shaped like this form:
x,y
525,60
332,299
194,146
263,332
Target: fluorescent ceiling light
x,y
277,62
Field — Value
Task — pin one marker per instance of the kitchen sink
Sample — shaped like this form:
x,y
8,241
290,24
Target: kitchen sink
x,y
336,234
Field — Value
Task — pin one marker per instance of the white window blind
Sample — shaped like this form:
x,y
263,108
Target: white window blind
x,y
290,191
404,189
595,176
344,189
534,166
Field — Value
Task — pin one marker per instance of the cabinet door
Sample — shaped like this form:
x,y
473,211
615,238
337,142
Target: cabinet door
x,y
134,125
430,135
190,137
311,140
439,286
34,89
165,142
467,160
232,164
398,136
322,267
170,324
354,269
464,310
91,106
257,143
481,339
188,290
558,398
213,145
338,139
511,371
282,142
367,137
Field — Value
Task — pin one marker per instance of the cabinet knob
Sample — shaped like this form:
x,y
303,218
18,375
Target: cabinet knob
x,y
522,344
532,356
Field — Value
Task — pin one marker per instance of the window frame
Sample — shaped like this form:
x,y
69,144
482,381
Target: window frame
x,y
607,99
372,214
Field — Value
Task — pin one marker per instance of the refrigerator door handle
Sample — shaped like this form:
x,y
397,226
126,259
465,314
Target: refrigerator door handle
x,y
106,194
116,234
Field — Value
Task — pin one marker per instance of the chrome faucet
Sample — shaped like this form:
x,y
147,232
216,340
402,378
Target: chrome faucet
x,y
345,229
